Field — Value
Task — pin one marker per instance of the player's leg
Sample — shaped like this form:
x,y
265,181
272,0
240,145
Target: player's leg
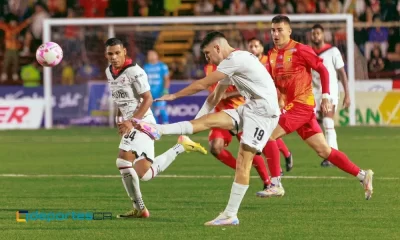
x,y
259,165
330,132
286,154
130,178
212,120
218,140
149,167
312,134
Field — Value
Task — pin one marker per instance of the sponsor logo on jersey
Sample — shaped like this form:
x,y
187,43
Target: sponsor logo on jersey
x,y
120,94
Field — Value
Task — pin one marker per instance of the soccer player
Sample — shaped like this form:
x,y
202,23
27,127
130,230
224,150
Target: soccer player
x,y
257,117
333,61
130,90
256,47
220,138
290,65
159,81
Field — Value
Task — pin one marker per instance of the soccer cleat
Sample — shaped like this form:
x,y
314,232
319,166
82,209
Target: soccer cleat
x,y
135,214
289,162
147,128
191,146
272,191
367,184
223,220
326,163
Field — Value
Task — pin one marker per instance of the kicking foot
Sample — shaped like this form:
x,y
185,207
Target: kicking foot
x,y
223,220
272,191
289,163
135,214
147,128
326,163
191,146
367,184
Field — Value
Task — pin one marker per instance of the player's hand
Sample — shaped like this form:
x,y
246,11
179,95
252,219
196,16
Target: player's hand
x,y
125,127
346,101
326,105
167,97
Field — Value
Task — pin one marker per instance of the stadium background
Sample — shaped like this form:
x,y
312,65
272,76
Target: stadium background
x,y
73,168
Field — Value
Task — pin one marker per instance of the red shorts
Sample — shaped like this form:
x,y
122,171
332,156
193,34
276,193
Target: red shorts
x,y
222,133
301,118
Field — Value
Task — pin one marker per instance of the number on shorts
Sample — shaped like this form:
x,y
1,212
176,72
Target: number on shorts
x,y
259,134
131,135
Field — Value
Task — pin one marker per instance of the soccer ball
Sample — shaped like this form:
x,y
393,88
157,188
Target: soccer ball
x,y
49,54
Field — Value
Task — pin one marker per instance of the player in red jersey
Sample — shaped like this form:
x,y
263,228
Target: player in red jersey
x,y
256,47
290,65
219,138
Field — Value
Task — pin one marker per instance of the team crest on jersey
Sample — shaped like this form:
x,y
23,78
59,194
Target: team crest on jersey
x,y
123,80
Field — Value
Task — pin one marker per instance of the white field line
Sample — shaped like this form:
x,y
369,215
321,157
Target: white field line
x,y
171,176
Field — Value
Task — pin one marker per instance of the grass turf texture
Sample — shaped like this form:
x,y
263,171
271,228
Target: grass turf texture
x,y
320,208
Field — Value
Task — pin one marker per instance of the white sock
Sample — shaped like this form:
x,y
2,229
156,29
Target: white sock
x,y
179,128
130,181
163,161
237,193
361,175
276,181
330,132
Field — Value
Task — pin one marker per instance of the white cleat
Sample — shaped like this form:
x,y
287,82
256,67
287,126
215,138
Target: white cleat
x,y
367,184
223,220
273,191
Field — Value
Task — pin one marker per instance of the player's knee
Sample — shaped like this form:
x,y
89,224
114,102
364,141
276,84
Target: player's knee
x,y
216,148
147,176
323,151
328,123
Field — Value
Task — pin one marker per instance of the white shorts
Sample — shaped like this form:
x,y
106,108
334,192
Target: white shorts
x,y
138,142
257,120
318,99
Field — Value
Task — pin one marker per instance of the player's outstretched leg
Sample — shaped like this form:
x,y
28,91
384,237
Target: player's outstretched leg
x,y
239,188
130,181
340,160
286,154
213,120
148,171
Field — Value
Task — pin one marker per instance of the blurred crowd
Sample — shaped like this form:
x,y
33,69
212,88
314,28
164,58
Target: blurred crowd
x,y
21,33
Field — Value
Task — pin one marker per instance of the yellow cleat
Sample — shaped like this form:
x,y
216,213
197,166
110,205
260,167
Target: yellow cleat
x,y
191,146
135,214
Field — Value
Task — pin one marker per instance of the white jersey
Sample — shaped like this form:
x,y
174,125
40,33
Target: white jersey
x,y
251,78
126,88
333,61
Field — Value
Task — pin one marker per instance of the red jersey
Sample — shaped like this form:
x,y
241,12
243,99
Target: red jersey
x,y
264,59
230,103
290,68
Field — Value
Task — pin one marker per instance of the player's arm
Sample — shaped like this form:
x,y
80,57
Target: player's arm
x,y
313,61
212,100
339,66
141,84
167,80
233,94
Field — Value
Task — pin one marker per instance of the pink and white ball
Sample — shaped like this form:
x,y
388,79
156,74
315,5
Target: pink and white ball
x,y
49,54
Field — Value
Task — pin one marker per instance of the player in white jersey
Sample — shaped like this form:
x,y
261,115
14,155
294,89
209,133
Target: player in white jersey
x,y
333,62
257,117
130,90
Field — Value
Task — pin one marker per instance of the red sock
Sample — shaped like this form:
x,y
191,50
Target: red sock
x,y
259,165
282,147
340,160
226,158
271,152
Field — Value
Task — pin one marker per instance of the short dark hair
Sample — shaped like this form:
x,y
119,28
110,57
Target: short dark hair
x,y
113,42
280,19
317,26
256,39
211,36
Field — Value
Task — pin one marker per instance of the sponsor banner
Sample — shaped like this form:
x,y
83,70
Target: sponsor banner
x,y
184,109
373,109
21,114
68,101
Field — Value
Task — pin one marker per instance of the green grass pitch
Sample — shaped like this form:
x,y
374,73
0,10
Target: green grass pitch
x,y
62,169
